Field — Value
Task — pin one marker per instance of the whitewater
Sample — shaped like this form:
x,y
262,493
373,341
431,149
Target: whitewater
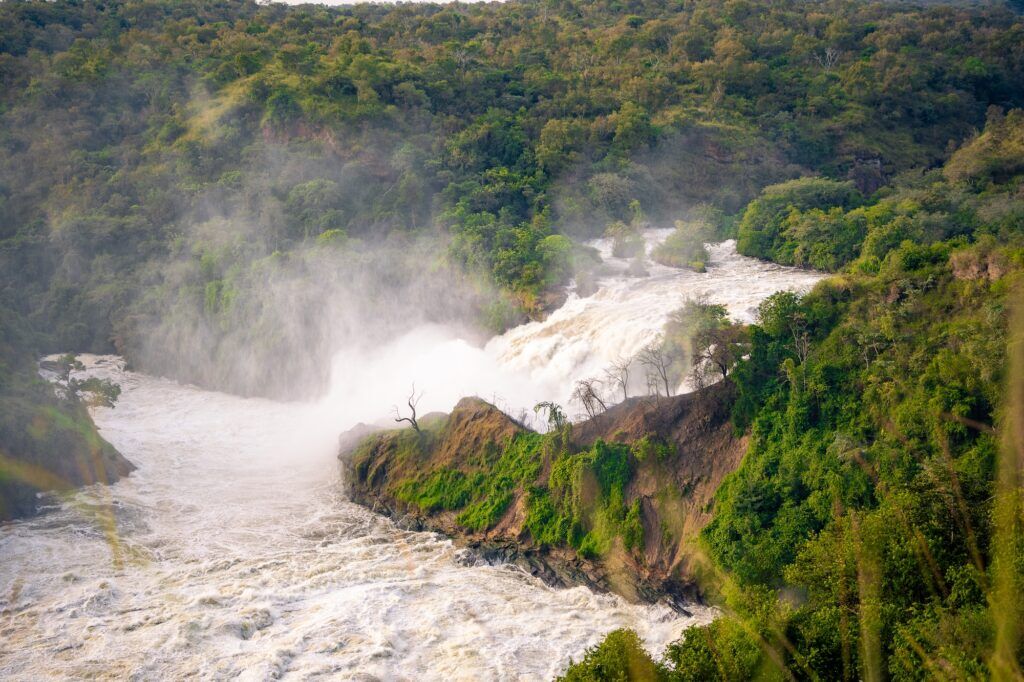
x,y
232,551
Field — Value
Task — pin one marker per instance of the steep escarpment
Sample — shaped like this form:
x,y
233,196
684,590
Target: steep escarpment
x,y
611,502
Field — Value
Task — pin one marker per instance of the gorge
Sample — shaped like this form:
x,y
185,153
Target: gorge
x,y
673,340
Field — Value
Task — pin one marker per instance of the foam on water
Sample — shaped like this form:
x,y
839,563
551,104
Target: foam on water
x,y
542,360
231,551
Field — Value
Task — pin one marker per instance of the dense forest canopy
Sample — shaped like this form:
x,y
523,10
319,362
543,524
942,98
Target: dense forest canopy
x,y
156,153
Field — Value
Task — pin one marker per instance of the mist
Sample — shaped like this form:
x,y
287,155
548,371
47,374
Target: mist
x,y
542,360
272,328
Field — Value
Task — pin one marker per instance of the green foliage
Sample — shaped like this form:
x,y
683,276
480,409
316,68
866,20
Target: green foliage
x,y
772,228
620,657
825,240
995,156
701,338
722,650
868,485
858,538
581,504
556,256
650,448
518,465
281,109
440,490
98,391
159,129
484,491
684,248
632,528
556,418
627,241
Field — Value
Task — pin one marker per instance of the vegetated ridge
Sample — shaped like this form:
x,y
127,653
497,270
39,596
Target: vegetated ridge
x,y
612,502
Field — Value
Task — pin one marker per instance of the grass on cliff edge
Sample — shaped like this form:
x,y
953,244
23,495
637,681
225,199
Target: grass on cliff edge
x,y
580,503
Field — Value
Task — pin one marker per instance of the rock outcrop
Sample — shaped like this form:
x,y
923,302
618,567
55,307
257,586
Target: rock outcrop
x,y
49,444
680,450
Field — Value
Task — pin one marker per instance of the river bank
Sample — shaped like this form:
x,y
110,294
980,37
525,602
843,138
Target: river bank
x,y
48,443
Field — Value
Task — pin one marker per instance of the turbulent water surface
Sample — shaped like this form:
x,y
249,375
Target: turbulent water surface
x,y
231,551
541,360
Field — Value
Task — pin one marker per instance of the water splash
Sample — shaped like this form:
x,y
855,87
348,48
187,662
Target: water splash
x,y
542,360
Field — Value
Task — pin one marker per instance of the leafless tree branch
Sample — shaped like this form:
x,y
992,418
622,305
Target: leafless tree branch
x,y
412,401
587,393
618,374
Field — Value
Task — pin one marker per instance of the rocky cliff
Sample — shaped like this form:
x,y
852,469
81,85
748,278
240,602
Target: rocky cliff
x,y
48,444
613,502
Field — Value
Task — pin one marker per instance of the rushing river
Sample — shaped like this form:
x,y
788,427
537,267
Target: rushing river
x,y
232,552
541,360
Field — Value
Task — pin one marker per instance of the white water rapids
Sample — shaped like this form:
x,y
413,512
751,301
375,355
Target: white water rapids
x,y
232,552
542,360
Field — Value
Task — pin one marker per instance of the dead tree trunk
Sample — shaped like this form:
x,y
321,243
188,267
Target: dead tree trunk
x,y
412,401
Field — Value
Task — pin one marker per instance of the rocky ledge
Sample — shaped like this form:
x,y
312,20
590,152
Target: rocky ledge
x,y
676,451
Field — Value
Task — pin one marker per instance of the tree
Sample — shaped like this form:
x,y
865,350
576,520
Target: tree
x,y
713,343
94,391
762,230
685,247
281,109
587,393
633,127
780,315
657,362
626,240
618,374
556,417
412,401
555,252
827,59
621,656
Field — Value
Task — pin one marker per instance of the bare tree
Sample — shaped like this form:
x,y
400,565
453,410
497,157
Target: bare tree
x,y
653,385
827,59
657,363
801,339
524,419
618,374
587,394
412,401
